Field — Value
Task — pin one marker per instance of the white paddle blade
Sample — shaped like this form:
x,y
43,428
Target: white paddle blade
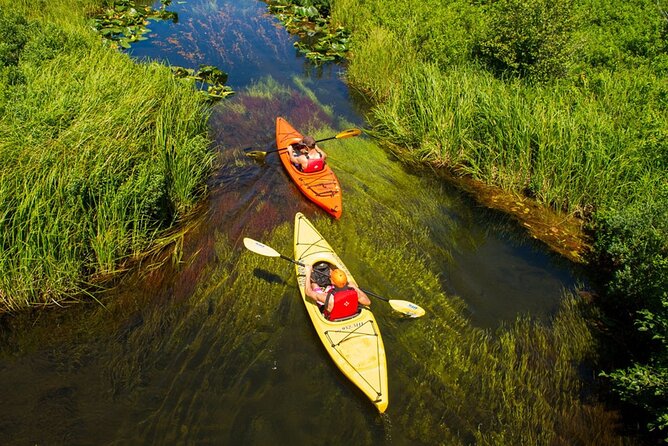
x,y
260,248
407,308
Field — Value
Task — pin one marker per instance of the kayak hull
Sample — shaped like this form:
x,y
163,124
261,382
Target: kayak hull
x,y
321,187
355,345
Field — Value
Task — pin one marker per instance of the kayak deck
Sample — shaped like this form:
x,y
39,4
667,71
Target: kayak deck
x,y
355,344
320,187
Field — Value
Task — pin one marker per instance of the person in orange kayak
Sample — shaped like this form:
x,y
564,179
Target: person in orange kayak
x,y
307,156
337,297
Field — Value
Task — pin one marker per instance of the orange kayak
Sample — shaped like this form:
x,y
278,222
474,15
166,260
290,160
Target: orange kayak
x,y
320,187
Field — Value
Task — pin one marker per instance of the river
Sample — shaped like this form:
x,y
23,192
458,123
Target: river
x,y
215,347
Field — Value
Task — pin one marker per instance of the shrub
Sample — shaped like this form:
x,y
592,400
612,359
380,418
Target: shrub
x,y
14,33
633,242
529,38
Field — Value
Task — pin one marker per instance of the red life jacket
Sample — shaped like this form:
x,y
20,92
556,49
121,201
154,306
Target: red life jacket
x,y
345,304
314,165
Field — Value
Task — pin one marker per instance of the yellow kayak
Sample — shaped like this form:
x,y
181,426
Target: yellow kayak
x,y
355,345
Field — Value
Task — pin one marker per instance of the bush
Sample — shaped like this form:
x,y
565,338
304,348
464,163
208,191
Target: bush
x,y
529,38
47,42
633,243
14,33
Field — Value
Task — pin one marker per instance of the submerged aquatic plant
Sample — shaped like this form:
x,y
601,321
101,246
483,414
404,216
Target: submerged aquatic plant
x,y
124,23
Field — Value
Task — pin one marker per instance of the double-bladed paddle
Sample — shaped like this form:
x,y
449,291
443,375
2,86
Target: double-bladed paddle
x,y
259,155
402,306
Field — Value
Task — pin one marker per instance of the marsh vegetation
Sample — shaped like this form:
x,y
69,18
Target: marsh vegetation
x,y
99,154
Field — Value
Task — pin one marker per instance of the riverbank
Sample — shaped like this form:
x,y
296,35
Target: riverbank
x,y
99,155
563,233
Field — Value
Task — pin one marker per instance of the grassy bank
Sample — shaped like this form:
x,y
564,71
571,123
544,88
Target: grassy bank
x,y
562,102
576,142
98,154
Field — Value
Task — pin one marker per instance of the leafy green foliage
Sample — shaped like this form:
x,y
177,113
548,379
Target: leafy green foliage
x,y
124,22
320,41
633,242
322,6
46,42
214,79
14,33
623,34
644,386
529,38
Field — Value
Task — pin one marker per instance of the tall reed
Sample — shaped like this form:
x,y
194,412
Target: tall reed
x,y
567,147
98,154
574,144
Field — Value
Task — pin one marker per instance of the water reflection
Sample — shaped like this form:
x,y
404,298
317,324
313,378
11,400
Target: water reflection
x,y
242,39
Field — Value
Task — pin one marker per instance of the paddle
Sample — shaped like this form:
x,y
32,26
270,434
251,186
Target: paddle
x,y
402,306
259,154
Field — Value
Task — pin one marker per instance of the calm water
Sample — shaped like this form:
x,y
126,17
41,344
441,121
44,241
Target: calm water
x,y
216,348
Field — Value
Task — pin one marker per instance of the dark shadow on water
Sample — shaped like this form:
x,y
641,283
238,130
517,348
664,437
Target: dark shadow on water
x,y
268,276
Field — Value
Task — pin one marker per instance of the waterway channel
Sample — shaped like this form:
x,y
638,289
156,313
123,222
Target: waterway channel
x,y
215,347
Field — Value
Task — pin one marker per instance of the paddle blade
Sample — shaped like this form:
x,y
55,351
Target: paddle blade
x,y
260,248
348,133
407,308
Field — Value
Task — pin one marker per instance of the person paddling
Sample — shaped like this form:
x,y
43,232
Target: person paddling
x,y
307,156
339,299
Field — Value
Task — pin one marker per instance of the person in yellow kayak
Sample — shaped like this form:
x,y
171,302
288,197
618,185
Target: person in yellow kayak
x,y
307,156
331,290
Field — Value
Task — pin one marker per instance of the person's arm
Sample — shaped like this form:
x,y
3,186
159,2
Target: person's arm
x,y
361,296
291,154
308,286
322,153
317,296
299,160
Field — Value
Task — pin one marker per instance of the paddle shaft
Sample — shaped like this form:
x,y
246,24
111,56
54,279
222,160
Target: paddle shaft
x,y
402,306
258,154
285,148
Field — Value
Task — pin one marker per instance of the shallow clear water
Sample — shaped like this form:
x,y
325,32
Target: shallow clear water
x,y
217,348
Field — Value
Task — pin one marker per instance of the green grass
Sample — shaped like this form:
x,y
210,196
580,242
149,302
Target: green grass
x,y
575,143
570,148
99,154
